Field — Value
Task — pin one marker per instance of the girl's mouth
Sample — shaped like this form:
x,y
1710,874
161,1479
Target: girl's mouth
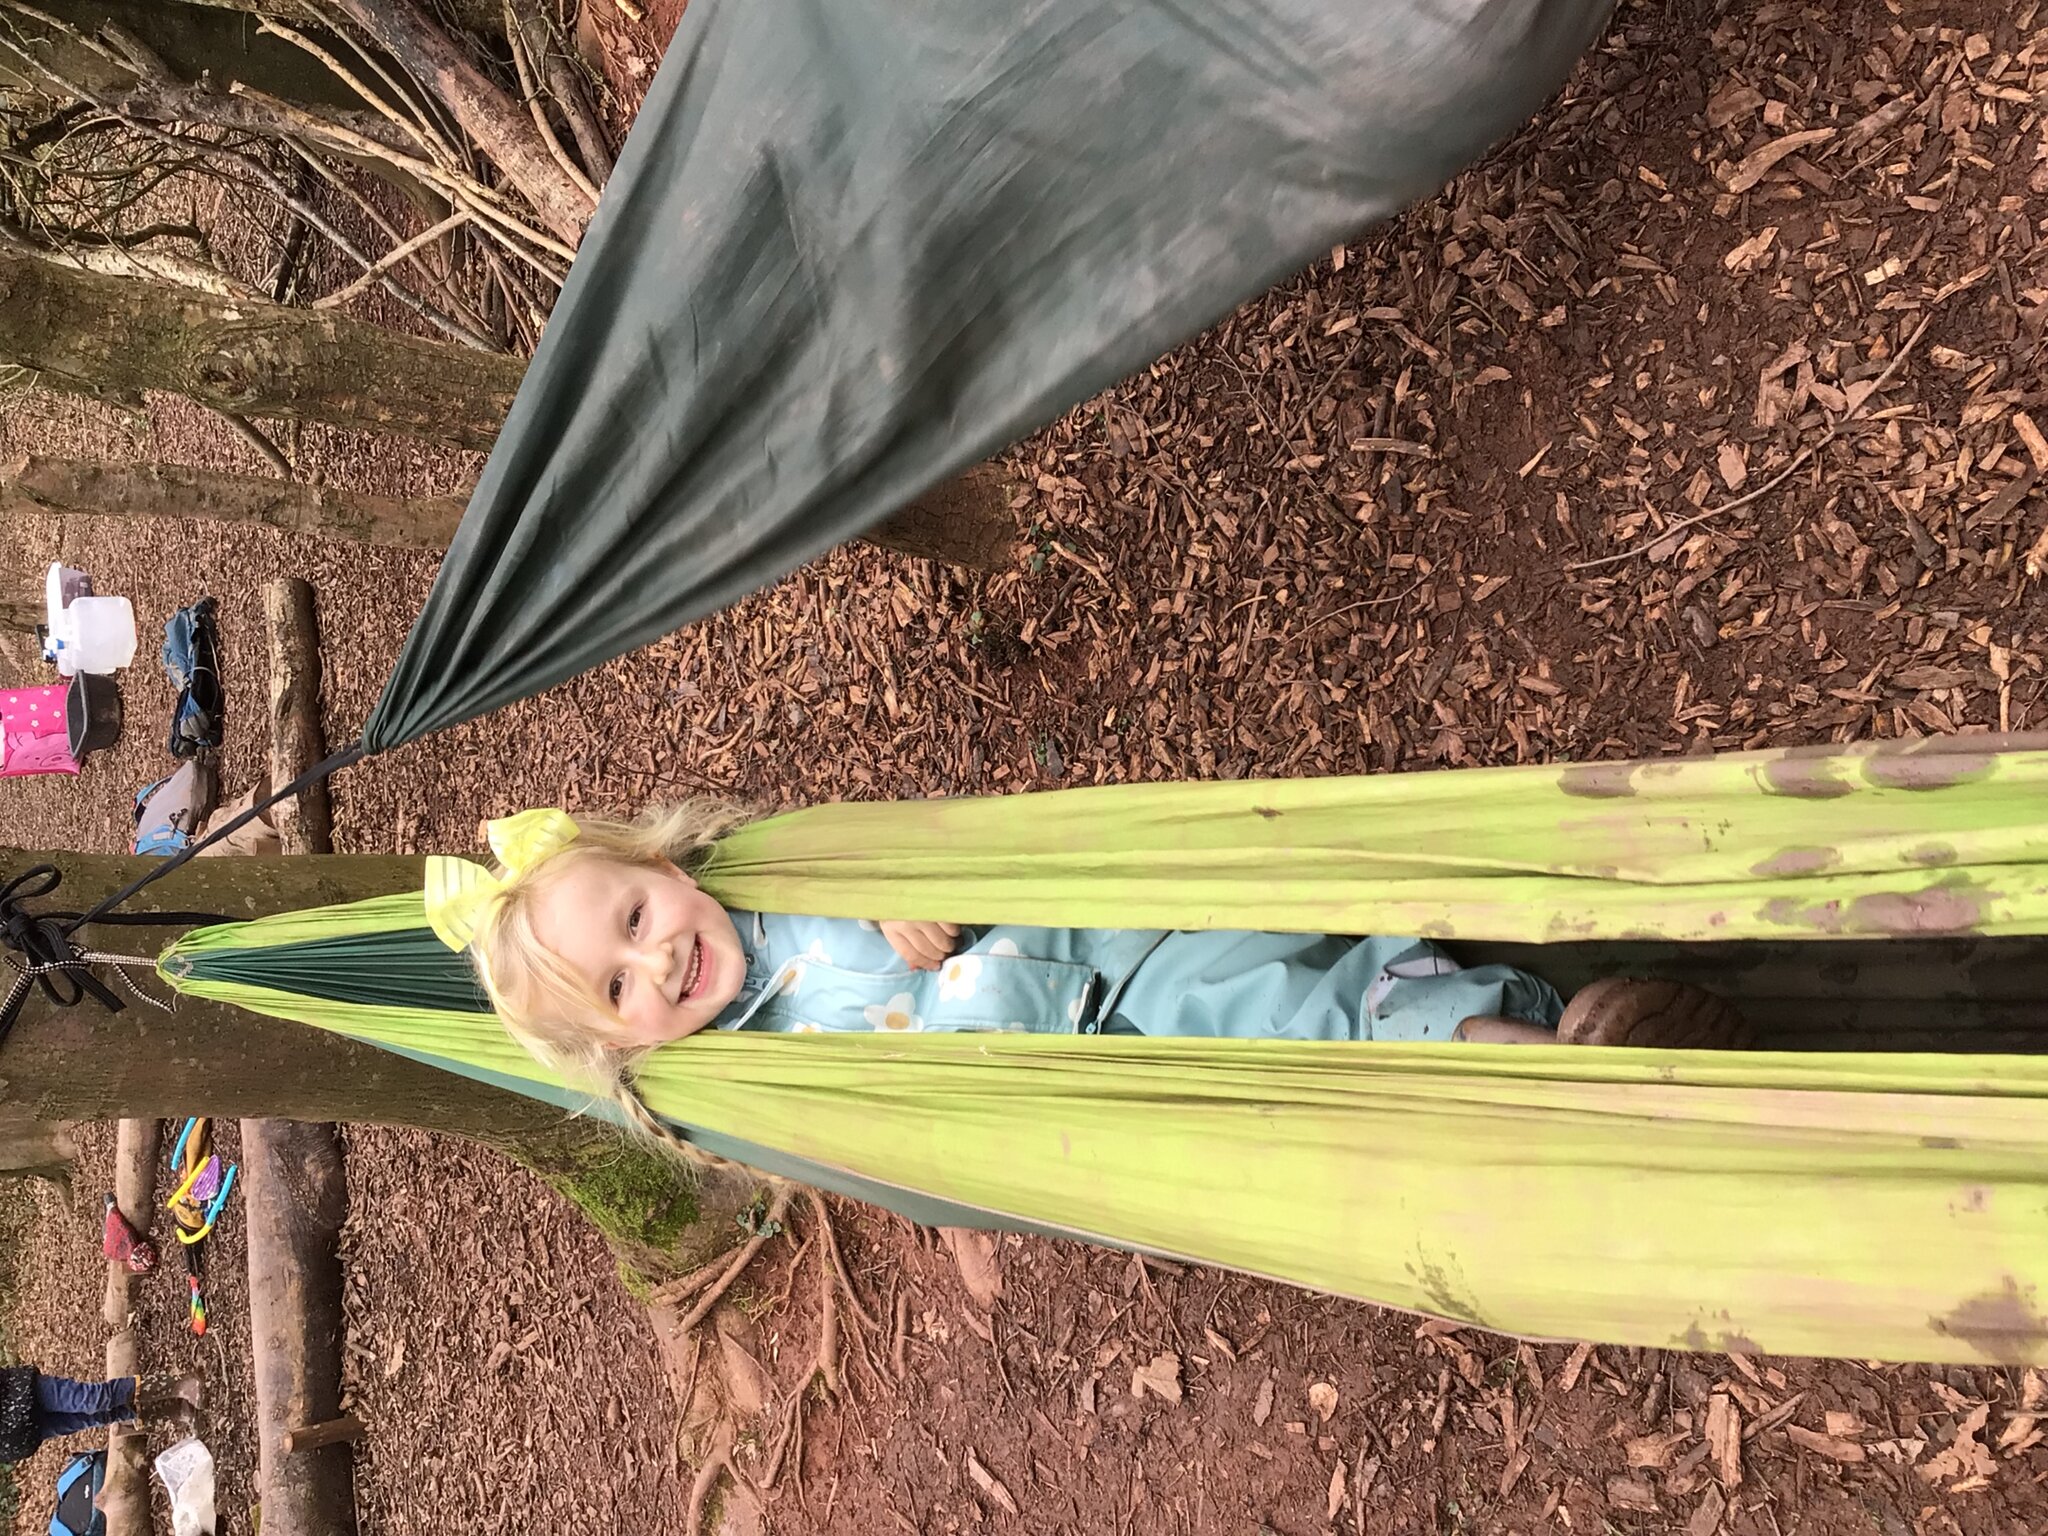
x,y
699,972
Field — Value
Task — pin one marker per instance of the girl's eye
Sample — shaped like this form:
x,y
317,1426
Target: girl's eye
x,y
633,921
617,989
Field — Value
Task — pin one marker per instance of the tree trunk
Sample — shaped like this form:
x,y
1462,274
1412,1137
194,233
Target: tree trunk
x,y
36,483
966,522
498,124
255,359
207,1058
247,359
196,42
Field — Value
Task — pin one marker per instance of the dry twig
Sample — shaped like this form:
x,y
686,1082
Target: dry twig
x,y
1799,460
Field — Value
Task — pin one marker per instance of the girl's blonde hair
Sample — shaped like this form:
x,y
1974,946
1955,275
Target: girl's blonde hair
x,y
550,1010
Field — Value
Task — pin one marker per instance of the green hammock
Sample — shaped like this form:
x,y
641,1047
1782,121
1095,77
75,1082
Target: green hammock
x,y
1870,1205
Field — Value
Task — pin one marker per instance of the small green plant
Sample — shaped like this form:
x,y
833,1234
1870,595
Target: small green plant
x,y
755,1220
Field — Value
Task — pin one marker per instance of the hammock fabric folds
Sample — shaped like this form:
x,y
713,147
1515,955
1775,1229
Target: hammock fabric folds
x,y
1878,1206
852,249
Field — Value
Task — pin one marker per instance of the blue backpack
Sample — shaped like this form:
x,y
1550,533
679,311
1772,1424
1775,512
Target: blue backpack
x,y
77,1486
191,655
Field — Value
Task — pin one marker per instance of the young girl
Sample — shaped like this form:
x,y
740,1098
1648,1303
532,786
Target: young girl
x,y
596,946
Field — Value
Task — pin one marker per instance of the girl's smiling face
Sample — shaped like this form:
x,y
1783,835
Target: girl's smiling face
x,y
645,938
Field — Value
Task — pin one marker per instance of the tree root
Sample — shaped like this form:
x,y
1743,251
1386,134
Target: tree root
x,y
709,1285
719,1460
776,1211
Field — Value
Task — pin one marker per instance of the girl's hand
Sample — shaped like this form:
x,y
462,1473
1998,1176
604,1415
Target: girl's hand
x,y
924,946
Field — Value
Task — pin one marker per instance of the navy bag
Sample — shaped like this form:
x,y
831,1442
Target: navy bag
x,y
77,1486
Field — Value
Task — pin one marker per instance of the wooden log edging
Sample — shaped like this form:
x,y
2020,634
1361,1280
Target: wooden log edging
x,y
295,1190
124,1496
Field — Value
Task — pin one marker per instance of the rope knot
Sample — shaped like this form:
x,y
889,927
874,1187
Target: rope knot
x,y
43,941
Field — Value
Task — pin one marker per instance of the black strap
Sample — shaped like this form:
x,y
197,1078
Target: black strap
x,y
43,939
352,753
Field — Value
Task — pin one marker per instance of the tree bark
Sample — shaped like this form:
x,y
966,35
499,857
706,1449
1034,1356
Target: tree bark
x,y
250,358
39,484
498,124
247,358
966,522
207,1058
297,1201
32,1149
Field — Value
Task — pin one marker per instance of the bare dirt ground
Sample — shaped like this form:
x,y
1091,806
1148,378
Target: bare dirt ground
x,y
1426,504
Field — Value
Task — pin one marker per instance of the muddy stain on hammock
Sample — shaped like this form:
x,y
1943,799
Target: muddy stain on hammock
x,y
1943,765
1804,779
1437,1282
1599,781
1727,1340
2002,1325
1797,861
1957,908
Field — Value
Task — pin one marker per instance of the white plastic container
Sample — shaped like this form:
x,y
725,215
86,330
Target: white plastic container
x,y
93,634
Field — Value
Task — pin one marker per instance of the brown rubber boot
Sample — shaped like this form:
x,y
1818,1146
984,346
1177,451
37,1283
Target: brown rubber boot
x,y
1670,1015
159,1395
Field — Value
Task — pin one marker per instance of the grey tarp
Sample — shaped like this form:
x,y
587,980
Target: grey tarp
x,y
855,246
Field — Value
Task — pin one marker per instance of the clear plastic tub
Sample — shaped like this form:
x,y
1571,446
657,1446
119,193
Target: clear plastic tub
x,y
93,634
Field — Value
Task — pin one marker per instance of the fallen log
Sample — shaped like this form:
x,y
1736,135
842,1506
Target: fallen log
x,y
124,1497
296,1203
296,1195
305,823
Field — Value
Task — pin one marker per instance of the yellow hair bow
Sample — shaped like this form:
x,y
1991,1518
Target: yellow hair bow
x,y
458,890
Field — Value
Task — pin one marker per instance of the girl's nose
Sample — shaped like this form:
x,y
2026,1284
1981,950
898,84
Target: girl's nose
x,y
657,961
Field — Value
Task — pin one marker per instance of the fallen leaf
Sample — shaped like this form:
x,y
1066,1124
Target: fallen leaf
x,y
1724,1438
1757,164
1654,1452
974,1255
1323,1398
1262,1405
2036,444
1965,1459
1569,1376
1733,464
2037,556
1336,1499
1844,1426
1732,102
1220,1344
2018,1429
1631,1493
1831,1446
990,1484
1161,1378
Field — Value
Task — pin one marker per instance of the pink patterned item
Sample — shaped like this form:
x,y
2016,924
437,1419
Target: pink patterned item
x,y
32,735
